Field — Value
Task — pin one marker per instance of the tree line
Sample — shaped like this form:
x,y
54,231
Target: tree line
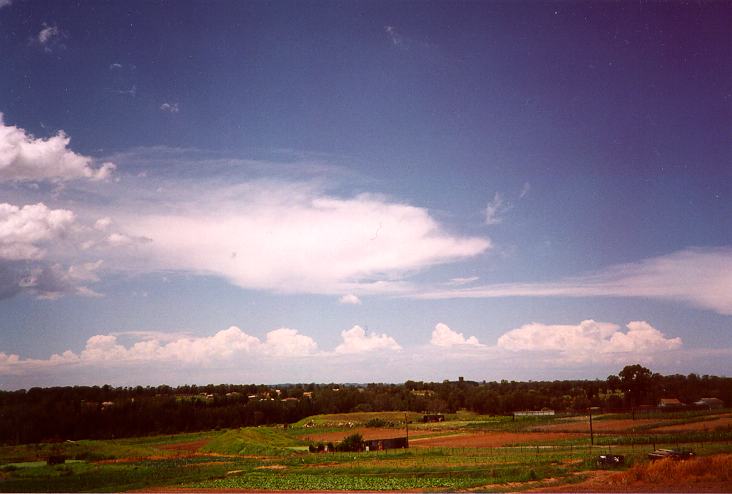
x,y
102,412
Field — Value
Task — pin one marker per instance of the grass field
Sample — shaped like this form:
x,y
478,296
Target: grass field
x,y
466,452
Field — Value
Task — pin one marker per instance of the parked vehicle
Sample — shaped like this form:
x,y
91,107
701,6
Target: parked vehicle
x,y
610,460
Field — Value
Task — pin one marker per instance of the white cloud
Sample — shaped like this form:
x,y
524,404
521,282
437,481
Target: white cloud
x,y
24,157
462,281
589,340
287,342
49,38
47,34
495,209
103,224
52,281
350,299
289,238
170,107
5,3
701,277
356,340
115,66
443,336
154,347
525,190
395,38
24,230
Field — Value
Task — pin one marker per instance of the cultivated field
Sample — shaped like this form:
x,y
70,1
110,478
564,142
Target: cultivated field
x,y
464,453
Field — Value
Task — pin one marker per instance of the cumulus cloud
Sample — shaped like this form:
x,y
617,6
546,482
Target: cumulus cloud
x,y
24,230
170,107
53,281
495,209
588,340
443,336
5,3
290,238
356,340
350,299
701,277
287,342
24,157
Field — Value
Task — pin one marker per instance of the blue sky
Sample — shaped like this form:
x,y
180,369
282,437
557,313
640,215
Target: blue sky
x,y
269,192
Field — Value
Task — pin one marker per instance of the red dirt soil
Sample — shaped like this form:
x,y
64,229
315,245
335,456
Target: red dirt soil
x,y
189,446
489,439
366,433
599,425
721,422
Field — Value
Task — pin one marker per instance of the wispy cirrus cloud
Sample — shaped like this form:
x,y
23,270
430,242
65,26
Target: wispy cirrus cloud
x,y
495,209
49,38
701,277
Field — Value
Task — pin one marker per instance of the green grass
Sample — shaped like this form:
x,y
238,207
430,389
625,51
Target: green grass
x,y
270,441
273,458
356,418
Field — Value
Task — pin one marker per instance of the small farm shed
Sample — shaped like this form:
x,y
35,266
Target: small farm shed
x,y
709,403
433,417
383,444
670,404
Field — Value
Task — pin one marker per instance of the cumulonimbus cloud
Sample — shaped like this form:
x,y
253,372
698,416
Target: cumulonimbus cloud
x,y
701,277
24,157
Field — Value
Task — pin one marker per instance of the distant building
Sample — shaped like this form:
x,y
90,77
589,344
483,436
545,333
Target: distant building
x,y
670,404
433,417
709,403
533,413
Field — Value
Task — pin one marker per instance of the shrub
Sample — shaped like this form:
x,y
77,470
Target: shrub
x,y
354,442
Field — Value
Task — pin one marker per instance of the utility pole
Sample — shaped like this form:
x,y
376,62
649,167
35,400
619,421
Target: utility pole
x,y
406,426
592,436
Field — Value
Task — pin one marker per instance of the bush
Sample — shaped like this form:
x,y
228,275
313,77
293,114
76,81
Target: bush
x,y
56,460
354,442
377,422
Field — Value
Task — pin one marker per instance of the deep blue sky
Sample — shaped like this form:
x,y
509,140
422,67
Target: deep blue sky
x,y
567,162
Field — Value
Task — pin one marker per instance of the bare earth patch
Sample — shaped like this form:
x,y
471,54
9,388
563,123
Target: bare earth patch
x,y
367,433
717,423
189,446
619,425
489,439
